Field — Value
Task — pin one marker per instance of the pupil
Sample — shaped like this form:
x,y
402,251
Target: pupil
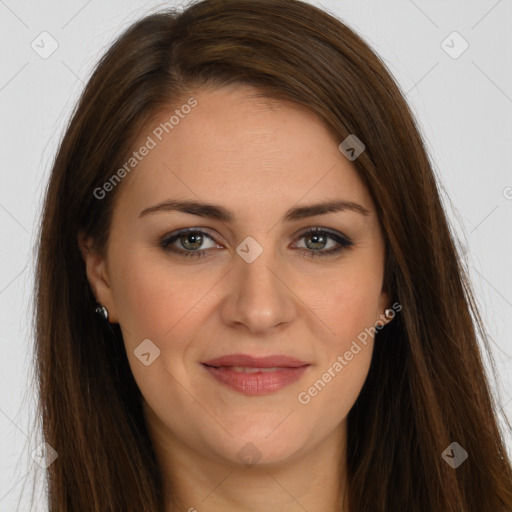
x,y
196,239
316,239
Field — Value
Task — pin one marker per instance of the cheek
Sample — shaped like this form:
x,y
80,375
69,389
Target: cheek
x,y
346,302
333,390
157,302
329,394
152,300
349,311
153,304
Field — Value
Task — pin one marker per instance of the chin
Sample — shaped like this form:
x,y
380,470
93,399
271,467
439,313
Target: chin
x,y
250,451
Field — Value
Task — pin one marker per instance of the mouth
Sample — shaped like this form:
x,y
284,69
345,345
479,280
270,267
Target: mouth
x,y
247,369
252,375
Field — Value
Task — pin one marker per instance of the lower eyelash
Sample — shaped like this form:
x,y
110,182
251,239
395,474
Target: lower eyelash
x,y
344,243
313,254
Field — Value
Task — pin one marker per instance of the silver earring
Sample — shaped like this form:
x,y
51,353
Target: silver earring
x,y
389,313
102,311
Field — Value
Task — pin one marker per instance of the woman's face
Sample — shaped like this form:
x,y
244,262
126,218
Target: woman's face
x,y
255,284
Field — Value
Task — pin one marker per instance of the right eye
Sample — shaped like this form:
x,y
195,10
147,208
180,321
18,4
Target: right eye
x,y
190,239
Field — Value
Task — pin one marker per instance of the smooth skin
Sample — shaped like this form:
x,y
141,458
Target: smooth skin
x,y
256,158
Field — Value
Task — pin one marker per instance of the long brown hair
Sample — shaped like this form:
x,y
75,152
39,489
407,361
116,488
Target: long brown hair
x,y
426,387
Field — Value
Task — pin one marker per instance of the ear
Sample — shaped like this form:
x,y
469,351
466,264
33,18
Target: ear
x,y
384,303
96,270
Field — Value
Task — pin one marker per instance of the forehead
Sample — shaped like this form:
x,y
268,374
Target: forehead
x,y
231,146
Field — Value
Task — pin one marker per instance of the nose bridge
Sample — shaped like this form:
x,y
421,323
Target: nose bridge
x,y
258,296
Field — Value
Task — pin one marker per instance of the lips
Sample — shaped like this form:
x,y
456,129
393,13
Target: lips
x,y
256,375
248,361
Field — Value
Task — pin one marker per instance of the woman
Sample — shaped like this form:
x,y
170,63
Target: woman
x,y
248,295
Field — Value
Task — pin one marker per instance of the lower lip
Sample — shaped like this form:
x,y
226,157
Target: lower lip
x,y
259,383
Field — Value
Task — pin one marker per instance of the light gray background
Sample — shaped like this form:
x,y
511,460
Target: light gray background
x,y
463,105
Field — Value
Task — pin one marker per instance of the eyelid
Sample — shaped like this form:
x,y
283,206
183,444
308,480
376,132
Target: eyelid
x,y
176,234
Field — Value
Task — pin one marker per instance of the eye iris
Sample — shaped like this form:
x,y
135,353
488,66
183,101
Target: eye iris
x,y
198,239
316,237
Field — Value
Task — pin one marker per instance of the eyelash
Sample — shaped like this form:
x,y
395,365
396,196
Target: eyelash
x,y
343,241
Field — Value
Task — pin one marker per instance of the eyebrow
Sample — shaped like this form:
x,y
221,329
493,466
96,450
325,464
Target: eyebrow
x,y
220,213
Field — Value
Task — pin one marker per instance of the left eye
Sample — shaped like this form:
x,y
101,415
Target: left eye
x,y
192,239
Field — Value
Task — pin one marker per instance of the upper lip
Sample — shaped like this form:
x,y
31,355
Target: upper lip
x,y
249,361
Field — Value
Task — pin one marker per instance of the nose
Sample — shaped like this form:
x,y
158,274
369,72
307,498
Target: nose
x,y
258,296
